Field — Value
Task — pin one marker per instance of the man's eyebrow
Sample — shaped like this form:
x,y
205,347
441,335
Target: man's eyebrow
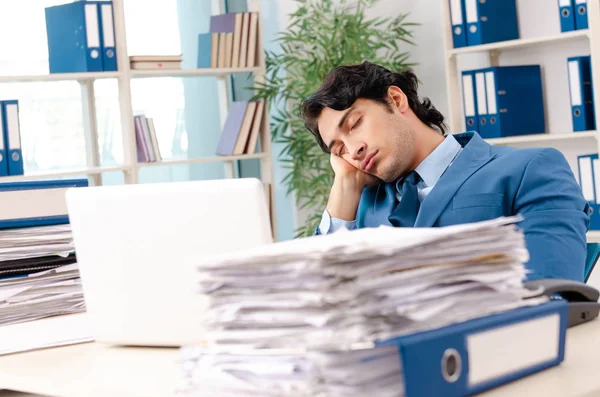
x,y
344,117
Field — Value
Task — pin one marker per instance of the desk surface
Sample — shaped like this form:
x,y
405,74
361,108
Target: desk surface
x,y
96,370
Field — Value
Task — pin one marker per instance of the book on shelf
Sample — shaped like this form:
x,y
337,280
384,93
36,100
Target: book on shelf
x,y
146,140
241,129
151,62
231,41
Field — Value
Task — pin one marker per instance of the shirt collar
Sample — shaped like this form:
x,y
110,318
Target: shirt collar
x,y
434,165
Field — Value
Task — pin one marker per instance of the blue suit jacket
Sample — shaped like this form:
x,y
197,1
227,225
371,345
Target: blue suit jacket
x,y
487,182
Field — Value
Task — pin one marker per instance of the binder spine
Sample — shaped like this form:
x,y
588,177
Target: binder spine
x,y
469,101
457,20
3,143
481,97
494,115
13,137
92,38
107,34
474,35
567,15
588,93
594,206
581,17
581,93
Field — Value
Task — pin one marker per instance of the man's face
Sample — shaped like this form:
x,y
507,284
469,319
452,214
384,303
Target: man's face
x,y
373,138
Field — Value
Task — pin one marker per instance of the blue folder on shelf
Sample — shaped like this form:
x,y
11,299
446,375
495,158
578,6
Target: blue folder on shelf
x,y
588,167
581,93
469,100
581,15
491,21
567,15
470,357
3,145
12,136
78,40
35,203
481,99
107,36
457,20
515,102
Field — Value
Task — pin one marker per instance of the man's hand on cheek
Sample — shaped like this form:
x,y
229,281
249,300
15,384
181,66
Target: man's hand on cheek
x,y
350,175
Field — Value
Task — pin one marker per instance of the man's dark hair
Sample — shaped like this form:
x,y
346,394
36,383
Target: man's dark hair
x,y
345,84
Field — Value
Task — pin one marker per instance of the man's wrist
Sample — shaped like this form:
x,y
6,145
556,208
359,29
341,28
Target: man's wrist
x,y
344,198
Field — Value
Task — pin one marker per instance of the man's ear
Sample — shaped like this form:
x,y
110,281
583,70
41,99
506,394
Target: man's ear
x,y
398,99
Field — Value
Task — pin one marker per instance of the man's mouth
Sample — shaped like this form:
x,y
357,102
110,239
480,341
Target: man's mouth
x,y
369,161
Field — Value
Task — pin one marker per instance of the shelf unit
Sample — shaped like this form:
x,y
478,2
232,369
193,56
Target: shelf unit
x,y
455,114
124,76
511,140
493,51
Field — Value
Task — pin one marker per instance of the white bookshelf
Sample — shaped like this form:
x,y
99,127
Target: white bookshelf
x,y
215,159
519,43
214,72
62,173
124,76
60,77
513,140
585,141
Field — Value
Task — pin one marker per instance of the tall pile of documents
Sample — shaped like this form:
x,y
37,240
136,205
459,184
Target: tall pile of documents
x,y
303,317
39,276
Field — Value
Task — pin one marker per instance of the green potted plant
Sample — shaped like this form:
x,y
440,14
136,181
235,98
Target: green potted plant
x,y
321,35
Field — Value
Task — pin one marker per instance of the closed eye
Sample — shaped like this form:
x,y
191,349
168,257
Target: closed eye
x,y
357,123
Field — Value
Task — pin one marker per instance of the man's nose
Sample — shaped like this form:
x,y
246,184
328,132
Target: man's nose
x,y
358,151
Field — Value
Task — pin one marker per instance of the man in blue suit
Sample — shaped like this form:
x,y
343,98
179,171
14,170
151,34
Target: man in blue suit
x,y
395,165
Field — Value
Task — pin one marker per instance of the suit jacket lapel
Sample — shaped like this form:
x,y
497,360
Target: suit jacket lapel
x,y
475,154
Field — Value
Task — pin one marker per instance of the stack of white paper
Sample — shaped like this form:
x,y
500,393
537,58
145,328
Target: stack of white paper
x,y
38,295
342,292
375,371
31,242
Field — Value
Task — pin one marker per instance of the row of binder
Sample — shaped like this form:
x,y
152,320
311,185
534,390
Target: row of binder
x,y
573,15
589,180
11,158
480,22
504,101
81,37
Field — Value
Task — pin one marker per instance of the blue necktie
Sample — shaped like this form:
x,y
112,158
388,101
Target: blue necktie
x,y
405,213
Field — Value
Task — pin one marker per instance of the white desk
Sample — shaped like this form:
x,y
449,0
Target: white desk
x,y
94,370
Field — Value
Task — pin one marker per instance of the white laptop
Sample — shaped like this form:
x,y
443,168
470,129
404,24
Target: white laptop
x,y
137,247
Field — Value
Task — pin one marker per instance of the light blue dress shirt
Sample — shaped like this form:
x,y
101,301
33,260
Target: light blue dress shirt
x,y
430,170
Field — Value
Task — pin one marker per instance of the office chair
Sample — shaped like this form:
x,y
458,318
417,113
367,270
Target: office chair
x,y
593,253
